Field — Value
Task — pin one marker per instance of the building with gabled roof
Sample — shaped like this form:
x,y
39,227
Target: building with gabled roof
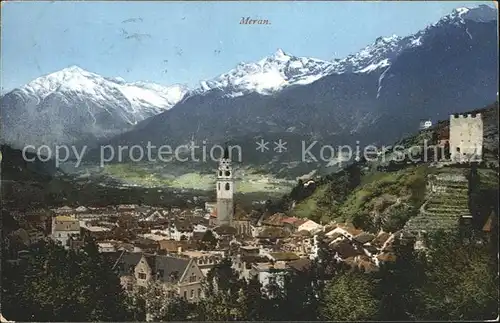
x,y
206,260
64,227
181,276
310,226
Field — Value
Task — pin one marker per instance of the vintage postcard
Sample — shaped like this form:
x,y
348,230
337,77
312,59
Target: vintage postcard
x,y
249,161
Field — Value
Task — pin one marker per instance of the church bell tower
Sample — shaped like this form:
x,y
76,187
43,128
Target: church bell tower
x,y
225,191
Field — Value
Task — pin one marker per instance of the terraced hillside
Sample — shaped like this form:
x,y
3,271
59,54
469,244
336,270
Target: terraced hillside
x,y
446,202
381,200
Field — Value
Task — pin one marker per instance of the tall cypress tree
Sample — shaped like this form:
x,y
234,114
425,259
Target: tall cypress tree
x,y
399,283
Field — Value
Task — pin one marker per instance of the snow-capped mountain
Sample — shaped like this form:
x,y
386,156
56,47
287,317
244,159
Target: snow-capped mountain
x,y
268,75
381,53
447,66
373,96
72,104
140,100
280,70
481,13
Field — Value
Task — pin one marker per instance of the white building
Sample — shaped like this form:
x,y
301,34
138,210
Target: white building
x,y
310,226
179,230
425,124
269,274
339,230
64,227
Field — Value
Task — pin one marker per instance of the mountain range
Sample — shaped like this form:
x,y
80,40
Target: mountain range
x,y
74,105
373,96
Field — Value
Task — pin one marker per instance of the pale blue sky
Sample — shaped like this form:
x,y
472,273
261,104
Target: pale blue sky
x,y
42,37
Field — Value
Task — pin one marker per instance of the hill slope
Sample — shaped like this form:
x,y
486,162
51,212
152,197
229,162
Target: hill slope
x,y
377,196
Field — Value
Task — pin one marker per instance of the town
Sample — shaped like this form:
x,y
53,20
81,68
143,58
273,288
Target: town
x,y
179,247
266,248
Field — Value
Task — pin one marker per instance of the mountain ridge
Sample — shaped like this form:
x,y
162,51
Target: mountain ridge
x,y
74,105
444,72
271,81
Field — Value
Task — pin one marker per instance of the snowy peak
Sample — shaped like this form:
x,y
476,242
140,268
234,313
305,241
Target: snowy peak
x,y
269,74
280,55
460,11
481,13
373,56
72,104
281,69
387,40
74,69
385,49
71,78
145,98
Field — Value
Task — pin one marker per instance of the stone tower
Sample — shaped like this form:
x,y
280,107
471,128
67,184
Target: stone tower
x,y
225,191
466,137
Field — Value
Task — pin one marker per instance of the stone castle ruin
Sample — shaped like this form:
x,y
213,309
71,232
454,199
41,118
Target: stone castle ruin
x,y
466,138
446,203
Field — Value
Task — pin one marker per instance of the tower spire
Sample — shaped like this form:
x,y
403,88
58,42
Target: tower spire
x,y
225,190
